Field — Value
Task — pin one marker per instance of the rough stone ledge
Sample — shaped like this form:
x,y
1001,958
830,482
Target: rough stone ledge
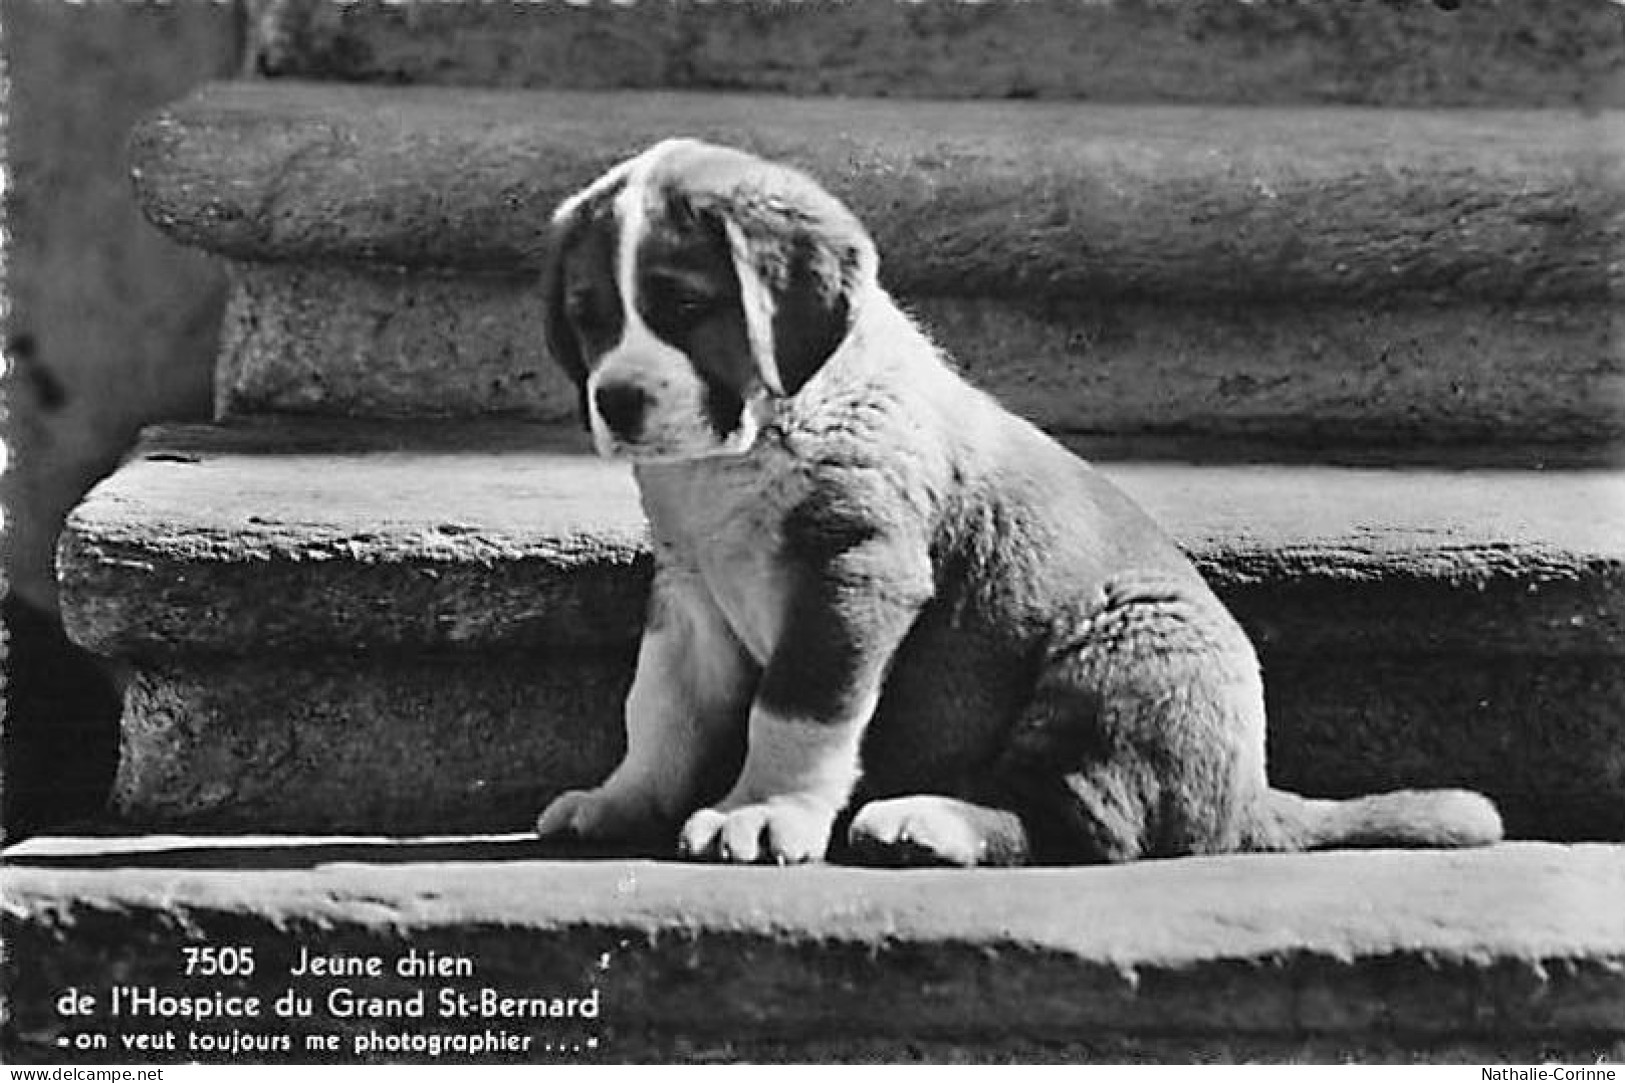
x,y
314,536
1029,200
354,743
340,741
1482,54
1512,942
336,340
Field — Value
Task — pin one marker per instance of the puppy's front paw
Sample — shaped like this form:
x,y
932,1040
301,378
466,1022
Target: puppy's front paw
x,y
600,814
782,830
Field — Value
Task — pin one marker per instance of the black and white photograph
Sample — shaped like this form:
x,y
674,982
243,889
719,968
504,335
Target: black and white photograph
x,y
806,532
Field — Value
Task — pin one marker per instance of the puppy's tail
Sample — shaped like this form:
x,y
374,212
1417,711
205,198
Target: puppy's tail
x,y
1404,818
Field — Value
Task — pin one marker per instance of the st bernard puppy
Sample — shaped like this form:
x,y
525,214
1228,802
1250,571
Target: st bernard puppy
x,y
890,620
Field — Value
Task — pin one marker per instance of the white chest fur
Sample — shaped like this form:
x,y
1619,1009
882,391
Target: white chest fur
x,y
721,521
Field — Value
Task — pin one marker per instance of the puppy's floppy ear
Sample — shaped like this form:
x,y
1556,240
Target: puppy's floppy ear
x,y
803,262
562,343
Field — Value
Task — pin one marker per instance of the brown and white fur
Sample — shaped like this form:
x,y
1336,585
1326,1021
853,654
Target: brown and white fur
x,y
889,619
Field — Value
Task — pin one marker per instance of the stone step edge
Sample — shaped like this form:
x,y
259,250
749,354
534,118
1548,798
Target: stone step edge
x,y
1415,55
1026,199
511,537
336,340
1362,943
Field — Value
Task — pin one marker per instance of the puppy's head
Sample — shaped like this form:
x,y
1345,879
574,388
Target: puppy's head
x,y
690,288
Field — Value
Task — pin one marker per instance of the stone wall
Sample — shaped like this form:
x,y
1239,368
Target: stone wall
x,y
1484,53
110,327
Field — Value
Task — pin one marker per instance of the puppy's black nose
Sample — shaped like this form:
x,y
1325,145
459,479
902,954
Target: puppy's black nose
x,y
622,407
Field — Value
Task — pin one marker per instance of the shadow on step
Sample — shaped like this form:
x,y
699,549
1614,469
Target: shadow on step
x,y
58,725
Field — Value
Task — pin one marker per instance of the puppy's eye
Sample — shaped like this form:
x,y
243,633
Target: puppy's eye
x,y
693,306
681,303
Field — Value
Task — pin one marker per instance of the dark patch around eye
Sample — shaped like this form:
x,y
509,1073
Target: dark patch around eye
x,y
592,303
688,295
676,303
595,311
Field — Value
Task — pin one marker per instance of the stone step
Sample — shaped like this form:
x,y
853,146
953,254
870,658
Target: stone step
x,y
1560,53
1513,953
1396,278
420,627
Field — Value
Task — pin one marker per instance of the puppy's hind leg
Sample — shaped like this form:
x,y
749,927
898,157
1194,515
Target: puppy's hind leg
x,y
1145,733
930,829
